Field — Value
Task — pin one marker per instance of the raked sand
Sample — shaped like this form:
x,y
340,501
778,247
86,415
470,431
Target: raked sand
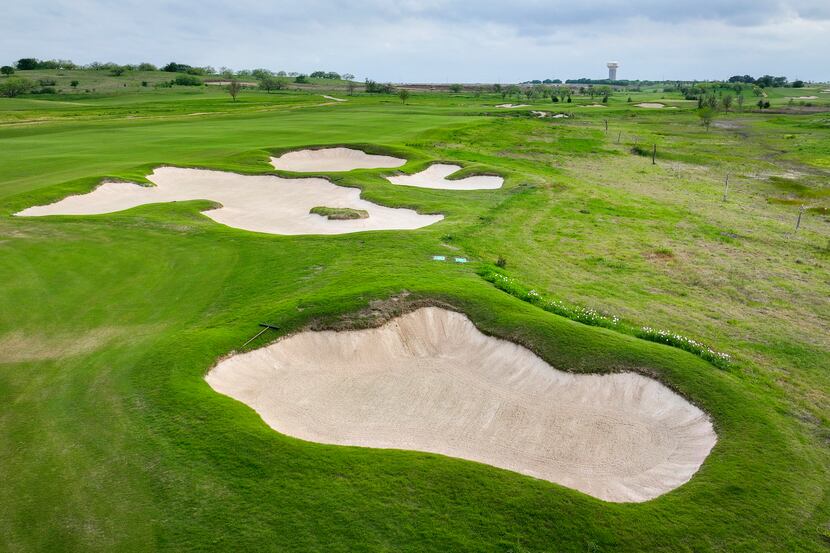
x,y
435,176
261,203
430,381
333,159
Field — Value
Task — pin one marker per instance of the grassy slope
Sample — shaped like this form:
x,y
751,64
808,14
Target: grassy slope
x,y
119,444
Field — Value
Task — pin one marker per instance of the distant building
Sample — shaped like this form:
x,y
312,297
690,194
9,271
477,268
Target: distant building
x,y
612,70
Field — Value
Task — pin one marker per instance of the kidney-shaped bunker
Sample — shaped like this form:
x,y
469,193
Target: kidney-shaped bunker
x,y
430,381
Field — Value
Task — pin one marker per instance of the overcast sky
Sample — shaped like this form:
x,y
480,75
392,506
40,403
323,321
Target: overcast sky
x,y
435,40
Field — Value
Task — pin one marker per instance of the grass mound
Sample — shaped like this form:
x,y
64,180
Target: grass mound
x,y
340,213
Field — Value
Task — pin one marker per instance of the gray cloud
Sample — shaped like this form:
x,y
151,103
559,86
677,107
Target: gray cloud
x,y
436,40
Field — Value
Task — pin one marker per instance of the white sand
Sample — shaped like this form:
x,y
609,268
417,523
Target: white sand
x,y
435,176
540,114
430,381
651,105
594,106
560,116
333,159
509,106
804,97
333,98
263,203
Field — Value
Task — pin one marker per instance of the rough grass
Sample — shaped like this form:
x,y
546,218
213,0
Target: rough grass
x,y
119,444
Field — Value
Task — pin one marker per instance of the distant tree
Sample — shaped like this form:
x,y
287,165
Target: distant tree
x,y
554,98
496,88
798,83
74,84
27,64
226,73
726,102
456,88
147,67
7,70
318,75
348,77
300,79
629,99
350,86
117,71
174,67
269,83
261,73
707,115
740,102
14,86
234,88
403,94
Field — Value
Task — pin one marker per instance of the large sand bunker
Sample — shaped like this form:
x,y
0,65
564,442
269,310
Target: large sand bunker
x,y
430,381
333,159
262,203
435,176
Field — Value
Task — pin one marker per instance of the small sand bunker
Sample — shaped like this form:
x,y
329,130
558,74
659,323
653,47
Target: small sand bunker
x,y
333,98
430,381
594,106
651,105
541,114
560,116
805,97
261,203
510,106
333,159
435,176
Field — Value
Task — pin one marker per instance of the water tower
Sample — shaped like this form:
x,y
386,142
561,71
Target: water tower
x,y
612,70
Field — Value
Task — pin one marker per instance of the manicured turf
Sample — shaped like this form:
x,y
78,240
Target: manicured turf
x,y
110,440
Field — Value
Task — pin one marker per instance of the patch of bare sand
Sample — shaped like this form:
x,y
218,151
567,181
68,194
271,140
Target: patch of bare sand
x,y
431,381
260,203
333,159
511,106
651,105
435,176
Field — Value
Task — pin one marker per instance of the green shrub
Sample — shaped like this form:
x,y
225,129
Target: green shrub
x,y
187,80
14,86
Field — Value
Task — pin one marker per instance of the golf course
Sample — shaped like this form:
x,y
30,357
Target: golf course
x,y
466,318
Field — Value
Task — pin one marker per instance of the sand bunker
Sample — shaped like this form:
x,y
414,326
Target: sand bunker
x,y
333,98
333,159
435,176
805,97
560,116
262,203
594,106
513,106
651,105
430,381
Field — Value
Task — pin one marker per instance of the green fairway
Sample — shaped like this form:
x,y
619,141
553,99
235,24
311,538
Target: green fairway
x,y
111,440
